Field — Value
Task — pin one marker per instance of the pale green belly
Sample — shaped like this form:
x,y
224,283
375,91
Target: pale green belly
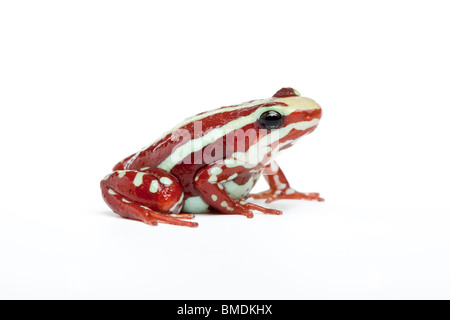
x,y
234,190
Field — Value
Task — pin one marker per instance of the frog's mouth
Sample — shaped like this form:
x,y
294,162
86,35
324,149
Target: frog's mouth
x,y
297,125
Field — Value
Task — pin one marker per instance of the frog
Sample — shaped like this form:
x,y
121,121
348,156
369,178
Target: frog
x,y
210,162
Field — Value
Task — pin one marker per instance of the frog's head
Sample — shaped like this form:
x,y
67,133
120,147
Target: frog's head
x,y
288,117
251,132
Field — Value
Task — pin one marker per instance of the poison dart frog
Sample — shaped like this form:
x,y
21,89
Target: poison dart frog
x,y
211,162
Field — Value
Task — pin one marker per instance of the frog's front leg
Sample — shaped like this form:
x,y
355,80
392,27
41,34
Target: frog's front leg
x,y
280,188
151,196
209,182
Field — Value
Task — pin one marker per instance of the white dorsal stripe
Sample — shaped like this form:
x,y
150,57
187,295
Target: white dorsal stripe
x,y
195,145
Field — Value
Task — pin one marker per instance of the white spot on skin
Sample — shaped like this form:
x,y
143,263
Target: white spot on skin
x,y
166,181
214,173
274,167
225,205
214,197
280,186
290,191
125,200
121,174
111,191
138,180
146,168
236,191
154,187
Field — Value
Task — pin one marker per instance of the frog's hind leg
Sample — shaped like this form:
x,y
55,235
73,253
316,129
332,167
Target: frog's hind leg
x,y
150,196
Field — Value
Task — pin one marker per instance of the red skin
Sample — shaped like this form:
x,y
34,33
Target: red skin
x,y
139,197
190,179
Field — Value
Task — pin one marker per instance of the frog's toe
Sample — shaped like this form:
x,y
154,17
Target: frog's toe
x,y
174,220
263,195
255,207
291,194
306,196
187,216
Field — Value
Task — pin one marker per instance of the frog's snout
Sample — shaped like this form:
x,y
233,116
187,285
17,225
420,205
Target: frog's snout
x,y
319,113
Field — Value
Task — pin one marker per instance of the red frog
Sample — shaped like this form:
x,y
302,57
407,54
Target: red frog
x,y
210,163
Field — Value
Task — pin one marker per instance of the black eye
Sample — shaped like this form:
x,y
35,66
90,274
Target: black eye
x,y
271,120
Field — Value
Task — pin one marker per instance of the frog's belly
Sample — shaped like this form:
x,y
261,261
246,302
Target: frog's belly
x,y
195,205
234,190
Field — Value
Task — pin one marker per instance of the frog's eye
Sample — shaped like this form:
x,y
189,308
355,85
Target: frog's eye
x,y
271,120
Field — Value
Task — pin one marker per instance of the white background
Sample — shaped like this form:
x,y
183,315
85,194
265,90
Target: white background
x,y
85,83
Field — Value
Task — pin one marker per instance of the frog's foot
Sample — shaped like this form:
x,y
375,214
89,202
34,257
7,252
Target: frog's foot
x,y
129,210
274,195
172,219
246,209
255,207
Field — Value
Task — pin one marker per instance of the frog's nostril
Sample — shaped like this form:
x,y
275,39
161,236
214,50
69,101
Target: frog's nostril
x,y
314,114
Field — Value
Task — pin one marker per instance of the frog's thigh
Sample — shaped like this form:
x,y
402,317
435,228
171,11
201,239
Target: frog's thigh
x,y
148,196
153,188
